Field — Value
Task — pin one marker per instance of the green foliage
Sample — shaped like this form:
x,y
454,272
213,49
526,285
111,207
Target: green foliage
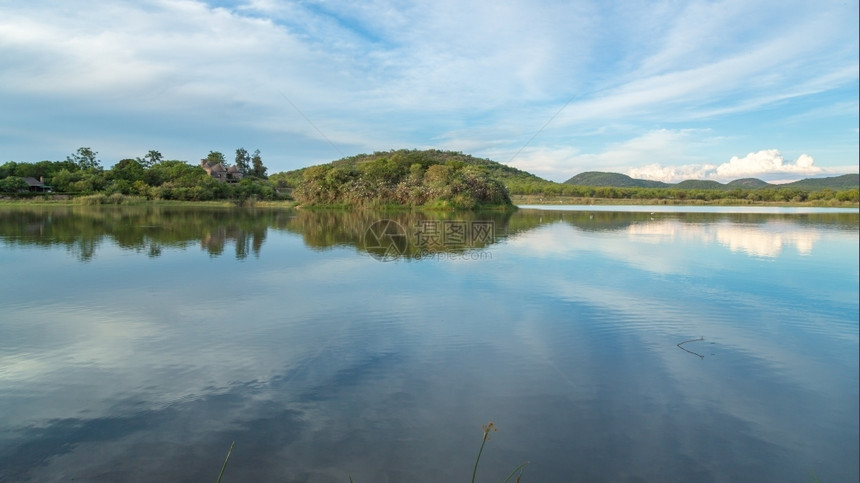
x,y
13,184
179,173
243,160
433,178
429,178
404,178
598,178
216,157
848,195
85,158
258,169
128,170
91,182
748,183
699,184
45,169
844,182
63,179
151,158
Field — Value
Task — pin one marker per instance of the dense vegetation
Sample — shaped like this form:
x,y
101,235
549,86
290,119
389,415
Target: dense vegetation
x,y
149,177
408,178
732,195
432,178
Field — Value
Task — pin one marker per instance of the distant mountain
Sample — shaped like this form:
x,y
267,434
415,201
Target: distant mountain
x,y
747,183
699,184
844,182
598,178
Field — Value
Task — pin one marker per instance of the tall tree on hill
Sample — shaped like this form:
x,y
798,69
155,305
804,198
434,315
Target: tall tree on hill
x,y
152,158
85,158
242,160
216,157
257,161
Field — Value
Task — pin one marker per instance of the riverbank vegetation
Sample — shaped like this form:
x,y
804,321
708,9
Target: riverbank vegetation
x,y
144,178
734,196
394,179
338,182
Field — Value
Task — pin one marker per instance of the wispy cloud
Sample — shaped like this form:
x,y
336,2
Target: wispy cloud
x,y
472,76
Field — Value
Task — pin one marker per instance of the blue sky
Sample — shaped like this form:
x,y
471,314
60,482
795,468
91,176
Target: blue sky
x,y
661,90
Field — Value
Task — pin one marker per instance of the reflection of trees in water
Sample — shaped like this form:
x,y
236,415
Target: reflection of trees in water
x,y
325,229
84,249
150,230
244,241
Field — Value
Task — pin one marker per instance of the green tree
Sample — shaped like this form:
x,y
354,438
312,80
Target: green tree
x,y
8,169
257,161
90,181
85,158
242,160
13,184
152,158
216,157
63,179
127,169
178,172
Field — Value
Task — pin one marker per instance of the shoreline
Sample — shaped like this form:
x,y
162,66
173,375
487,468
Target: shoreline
x,y
516,199
576,200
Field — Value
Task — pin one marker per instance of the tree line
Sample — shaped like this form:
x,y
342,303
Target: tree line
x,y
770,194
405,177
149,176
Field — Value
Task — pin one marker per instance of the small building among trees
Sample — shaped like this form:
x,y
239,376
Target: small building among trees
x,y
220,173
36,185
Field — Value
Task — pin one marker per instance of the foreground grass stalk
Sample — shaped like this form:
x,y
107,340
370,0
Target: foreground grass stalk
x,y
487,428
224,466
517,469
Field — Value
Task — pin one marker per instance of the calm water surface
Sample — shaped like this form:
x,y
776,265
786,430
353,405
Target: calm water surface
x,y
136,344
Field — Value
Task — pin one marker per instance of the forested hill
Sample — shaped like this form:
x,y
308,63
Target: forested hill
x,y
846,181
497,171
431,178
599,178
617,180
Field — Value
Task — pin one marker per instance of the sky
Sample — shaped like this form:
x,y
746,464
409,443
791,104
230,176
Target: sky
x,y
662,90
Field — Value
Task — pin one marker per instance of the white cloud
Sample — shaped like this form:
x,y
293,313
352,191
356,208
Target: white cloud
x,y
668,146
548,163
671,174
383,74
765,164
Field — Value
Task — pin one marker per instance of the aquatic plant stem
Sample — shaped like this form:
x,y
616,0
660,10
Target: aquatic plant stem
x,y
518,468
487,428
475,471
224,466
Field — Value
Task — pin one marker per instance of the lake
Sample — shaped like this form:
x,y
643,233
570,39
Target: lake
x,y
639,344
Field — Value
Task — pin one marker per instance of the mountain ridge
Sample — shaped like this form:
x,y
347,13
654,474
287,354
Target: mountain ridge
x,y
618,180
519,179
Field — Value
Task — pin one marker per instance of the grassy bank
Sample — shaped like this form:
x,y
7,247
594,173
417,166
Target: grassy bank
x,y
100,199
125,200
577,200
